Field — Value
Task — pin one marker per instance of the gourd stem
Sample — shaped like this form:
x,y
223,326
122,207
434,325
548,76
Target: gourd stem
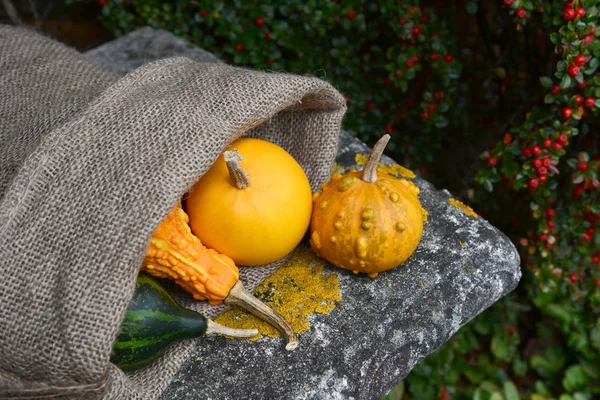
x,y
239,296
237,176
213,327
369,172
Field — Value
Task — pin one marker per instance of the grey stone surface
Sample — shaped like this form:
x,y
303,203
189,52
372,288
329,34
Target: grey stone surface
x,y
382,327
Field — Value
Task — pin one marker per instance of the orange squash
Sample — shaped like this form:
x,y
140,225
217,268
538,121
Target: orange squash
x,y
175,253
254,204
366,221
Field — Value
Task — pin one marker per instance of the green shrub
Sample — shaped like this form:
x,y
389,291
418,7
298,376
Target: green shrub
x,y
515,77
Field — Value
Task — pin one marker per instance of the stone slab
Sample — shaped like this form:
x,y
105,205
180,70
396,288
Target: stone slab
x,y
382,327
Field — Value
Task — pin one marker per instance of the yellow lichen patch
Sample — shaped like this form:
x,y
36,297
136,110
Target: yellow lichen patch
x,y
461,243
391,169
459,204
296,290
425,214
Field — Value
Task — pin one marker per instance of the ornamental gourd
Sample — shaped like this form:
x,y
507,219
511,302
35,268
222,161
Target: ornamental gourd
x,y
366,221
176,253
254,203
154,322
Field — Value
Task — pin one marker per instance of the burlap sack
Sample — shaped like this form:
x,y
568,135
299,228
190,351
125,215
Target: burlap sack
x,y
89,165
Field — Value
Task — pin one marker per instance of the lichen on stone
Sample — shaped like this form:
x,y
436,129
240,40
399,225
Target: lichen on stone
x,y
396,170
337,168
459,204
296,290
425,214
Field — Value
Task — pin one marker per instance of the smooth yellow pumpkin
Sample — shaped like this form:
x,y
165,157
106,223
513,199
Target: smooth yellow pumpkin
x,y
254,204
367,221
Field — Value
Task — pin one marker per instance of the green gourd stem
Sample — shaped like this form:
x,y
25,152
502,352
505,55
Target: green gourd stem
x,y
239,296
369,172
213,327
237,176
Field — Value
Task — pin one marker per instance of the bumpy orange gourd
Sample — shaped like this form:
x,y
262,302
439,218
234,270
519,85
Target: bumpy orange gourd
x,y
254,204
176,253
367,221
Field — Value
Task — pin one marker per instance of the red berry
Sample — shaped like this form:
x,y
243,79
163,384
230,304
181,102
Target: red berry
x,y
598,282
521,13
551,212
596,260
370,105
448,58
580,12
542,171
491,161
587,39
403,21
424,115
260,21
507,138
101,3
582,85
558,146
573,70
351,14
416,30
423,169
389,129
590,102
543,178
508,2
424,19
510,328
387,81
547,162
573,278
431,107
347,97
562,138
555,89
268,36
532,183
550,224
439,95
268,61
578,190
586,237
567,112
580,60
526,151
582,166
568,14
547,142
409,63
239,47
578,99
590,231
203,13
536,163
434,56
535,150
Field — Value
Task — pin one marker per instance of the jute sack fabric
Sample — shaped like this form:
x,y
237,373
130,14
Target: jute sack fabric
x,y
90,163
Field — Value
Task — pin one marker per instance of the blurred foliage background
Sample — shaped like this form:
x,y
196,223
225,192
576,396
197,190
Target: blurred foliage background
x,y
494,100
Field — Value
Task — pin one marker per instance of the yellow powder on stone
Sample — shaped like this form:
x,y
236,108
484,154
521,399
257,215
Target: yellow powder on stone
x,y
425,214
296,290
391,169
459,204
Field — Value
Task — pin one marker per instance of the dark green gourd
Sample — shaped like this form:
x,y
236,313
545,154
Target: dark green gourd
x,y
154,321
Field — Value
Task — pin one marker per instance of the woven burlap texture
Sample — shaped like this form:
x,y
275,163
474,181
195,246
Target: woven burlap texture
x,y
89,165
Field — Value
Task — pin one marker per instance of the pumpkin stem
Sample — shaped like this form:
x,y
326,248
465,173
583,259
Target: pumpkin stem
x,y
237,176
213,327
369,172
239,296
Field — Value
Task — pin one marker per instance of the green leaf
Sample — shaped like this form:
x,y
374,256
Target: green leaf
x,y
499,348
566,82
546,81
510,391
575,378
496,396
471,7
